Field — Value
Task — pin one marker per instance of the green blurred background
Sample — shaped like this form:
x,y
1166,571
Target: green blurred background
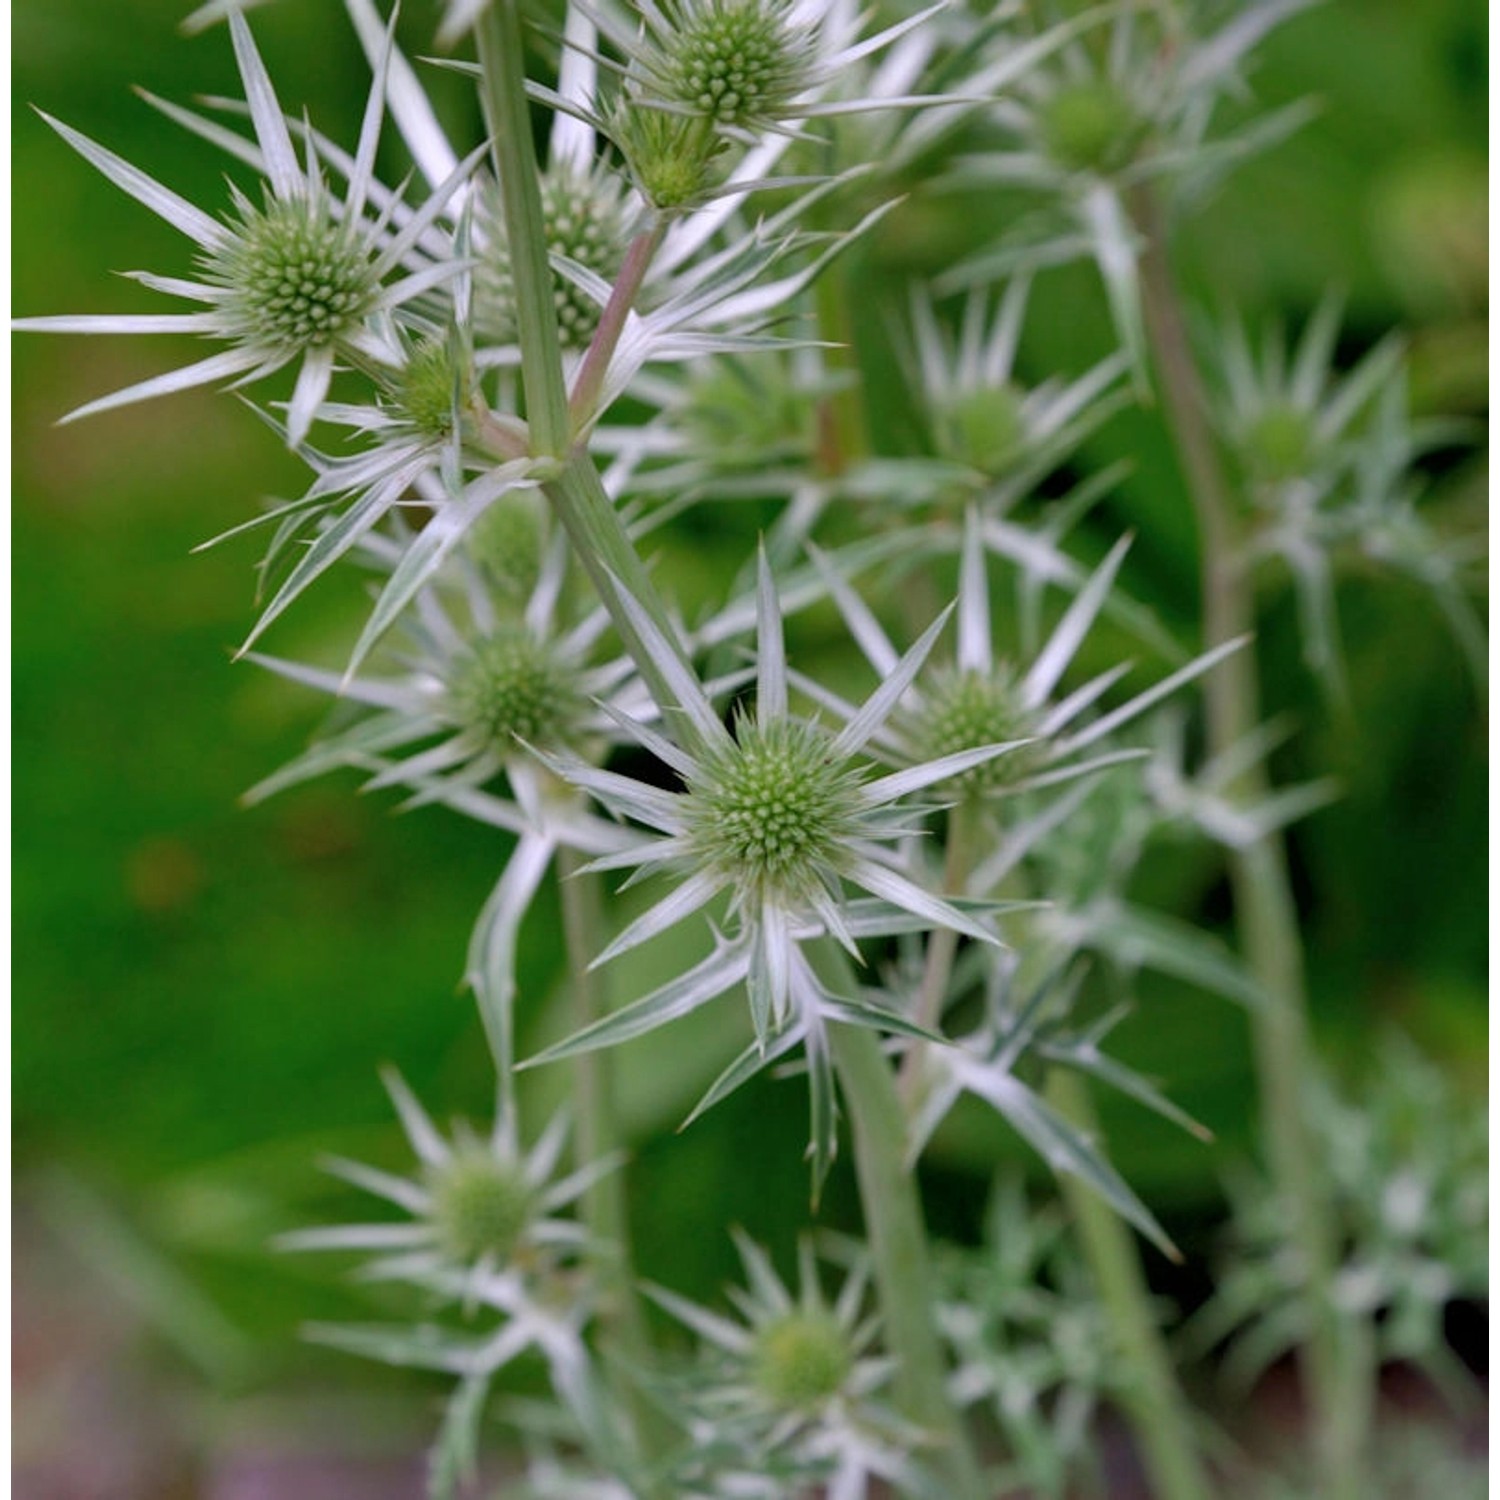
x,y
203,993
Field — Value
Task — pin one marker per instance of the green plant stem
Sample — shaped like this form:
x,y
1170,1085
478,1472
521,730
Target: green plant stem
x,y
604,1208
1158,1412
1338,1390
942,946
605,1214
502,63
898,1248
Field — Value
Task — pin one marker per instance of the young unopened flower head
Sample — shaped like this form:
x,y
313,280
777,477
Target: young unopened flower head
x,y
1007,436
298,277
479,1205
797,1372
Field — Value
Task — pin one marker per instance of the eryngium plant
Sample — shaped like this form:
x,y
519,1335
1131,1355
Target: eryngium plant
x,y
921,884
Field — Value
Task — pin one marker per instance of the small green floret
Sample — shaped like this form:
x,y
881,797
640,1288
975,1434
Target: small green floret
x,y
481,1206
775,810
1280,443
736,61
298,279
967,710
801,1359
427,388
1091,127
985,429
507,541
672,159
583,217
510,689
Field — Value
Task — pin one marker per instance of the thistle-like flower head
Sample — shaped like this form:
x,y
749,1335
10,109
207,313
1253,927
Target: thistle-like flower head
x,y
783,816
481,1206
586,224
300,276
796,1375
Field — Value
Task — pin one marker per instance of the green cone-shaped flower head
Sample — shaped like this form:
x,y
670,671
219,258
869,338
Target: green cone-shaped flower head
x,y
775,809
510,689
427,387
1280,443
802,1358
507,542
963,710
738,62
1091,126
985,428
297,278
583,215
481,1205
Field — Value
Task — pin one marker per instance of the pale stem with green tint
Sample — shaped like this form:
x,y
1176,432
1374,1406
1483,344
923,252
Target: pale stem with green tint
x,y
604,1206
1152,1396
889,1191
898,1245
503,66
942,947
1339,1387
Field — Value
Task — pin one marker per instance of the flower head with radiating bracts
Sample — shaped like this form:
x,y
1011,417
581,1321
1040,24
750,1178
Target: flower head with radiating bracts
x,y
485,682
794,1376
481,1207
300,276
1008,437
744,65
981,699
782,815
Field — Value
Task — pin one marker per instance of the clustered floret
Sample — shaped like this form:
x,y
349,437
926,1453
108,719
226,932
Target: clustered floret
x,y
298,279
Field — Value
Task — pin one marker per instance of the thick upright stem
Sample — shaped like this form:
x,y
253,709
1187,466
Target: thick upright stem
x,y
898,1246
503,90
1264,906
1158,1413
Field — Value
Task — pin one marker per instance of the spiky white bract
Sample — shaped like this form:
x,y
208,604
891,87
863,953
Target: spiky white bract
x,y
782,816
985,1064
1329,460
1008,436
300,277
796,1377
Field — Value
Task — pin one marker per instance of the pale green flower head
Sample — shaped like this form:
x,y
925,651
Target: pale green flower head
x,y
304,276
585,220
480,1206
799,1375
733,62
